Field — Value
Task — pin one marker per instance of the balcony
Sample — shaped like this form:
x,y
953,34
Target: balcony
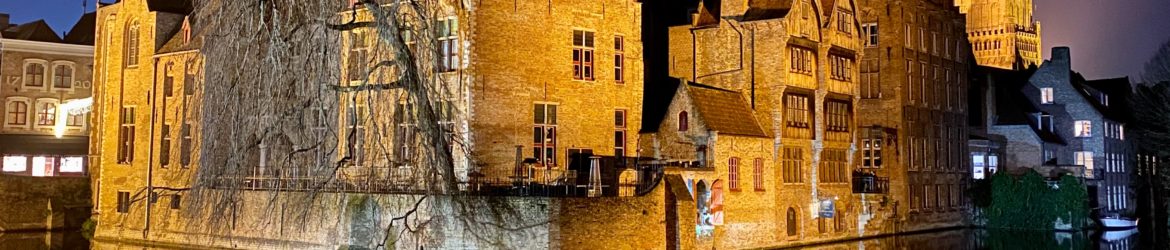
x,y
866,183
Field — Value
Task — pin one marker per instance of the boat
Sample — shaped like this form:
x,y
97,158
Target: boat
x,y
1118,223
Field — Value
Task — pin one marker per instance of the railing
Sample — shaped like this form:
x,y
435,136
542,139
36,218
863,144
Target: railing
x,y
869,184
589,177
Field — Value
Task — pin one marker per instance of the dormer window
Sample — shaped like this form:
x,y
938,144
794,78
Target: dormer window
x,y
1044,122
1105,99
1046,96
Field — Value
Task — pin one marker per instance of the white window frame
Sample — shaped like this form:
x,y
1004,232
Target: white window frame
x,y
30,110
1046,96
46,78
449,60
37,108
1083,128
53,76
1085,158
871,37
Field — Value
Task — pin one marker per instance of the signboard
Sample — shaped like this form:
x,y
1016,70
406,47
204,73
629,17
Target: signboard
x,y
827,209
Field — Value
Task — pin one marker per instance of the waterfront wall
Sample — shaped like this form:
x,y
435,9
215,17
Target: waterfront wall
x,y
43,203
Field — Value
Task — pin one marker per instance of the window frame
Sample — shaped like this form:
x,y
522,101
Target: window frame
x,y
43,75
67,80
584,55
9,112
46,113
733,174
1046,96
1083,128
619,59
758,174
449,44
547,144
127,124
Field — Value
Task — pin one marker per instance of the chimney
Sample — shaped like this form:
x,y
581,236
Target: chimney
x,y
1061,56
3,21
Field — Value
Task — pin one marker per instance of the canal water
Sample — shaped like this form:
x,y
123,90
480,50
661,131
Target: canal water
x,y
951,239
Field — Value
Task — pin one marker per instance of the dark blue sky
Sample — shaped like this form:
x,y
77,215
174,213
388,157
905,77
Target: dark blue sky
x,y
1109,38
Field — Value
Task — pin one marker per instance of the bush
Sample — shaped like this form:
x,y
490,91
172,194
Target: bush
x,y
1029,203
89,227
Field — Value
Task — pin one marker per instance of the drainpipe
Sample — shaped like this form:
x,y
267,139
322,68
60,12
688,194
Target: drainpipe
x,y
694,57
150,160
753,69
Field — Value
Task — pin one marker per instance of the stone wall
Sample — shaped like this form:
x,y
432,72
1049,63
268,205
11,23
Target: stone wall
x,y
43,203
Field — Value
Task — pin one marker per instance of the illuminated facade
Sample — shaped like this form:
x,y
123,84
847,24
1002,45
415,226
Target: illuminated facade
x,y
1003,33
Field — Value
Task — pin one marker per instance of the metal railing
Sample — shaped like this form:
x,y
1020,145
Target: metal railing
x,y
592,177
869,184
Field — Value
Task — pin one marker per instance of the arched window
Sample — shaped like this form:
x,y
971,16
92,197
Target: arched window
x,y
63,76
46,113
683,121
34,75
17,113
131,50
792,222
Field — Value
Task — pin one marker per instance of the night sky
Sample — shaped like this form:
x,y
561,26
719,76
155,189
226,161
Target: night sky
x,y
1109,38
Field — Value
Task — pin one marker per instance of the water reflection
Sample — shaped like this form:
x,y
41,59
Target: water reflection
x,y
68,240
979,239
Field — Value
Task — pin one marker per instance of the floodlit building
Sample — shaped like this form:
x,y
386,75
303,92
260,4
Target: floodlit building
x,y
913,109
1003,33
43,144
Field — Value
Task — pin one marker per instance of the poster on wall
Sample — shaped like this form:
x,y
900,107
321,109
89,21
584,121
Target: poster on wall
x,y
716,202
827,208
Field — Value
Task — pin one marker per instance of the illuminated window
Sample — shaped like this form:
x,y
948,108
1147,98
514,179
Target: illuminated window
x,y
15,163
1083,128
1046,96
583,55
46,113
544,134
72,164
1085,158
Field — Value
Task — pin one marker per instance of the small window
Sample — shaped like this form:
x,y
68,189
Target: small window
x,y
176,200
34,75
871,34
619,59
733,174
683,121
62,76
1046,96
758,174
123,202
1083,128
583,49
17,113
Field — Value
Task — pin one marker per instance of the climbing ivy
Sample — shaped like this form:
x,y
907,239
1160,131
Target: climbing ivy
x,y
1028,202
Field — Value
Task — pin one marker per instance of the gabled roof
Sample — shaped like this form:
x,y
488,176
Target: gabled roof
x,y
1012,107
710,11
1118,90
827,9
180,41
724,111
83,31
767,9
33,31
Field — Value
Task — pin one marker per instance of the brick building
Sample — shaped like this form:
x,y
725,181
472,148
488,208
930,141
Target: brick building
x,y
913,108
1002,33
145,115
43,144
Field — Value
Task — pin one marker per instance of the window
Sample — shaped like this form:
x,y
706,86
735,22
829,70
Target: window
x,y
356,118
845,21
910,80
72,165
169,80
838,116
176,199
792,223
977,165
758,174
842,68
1083,128
1085,158
793,160
185,145
733,174
870,81
449,44
619,58
871,149
126,136
802,60
582,55
46,113
189,79
544,134
358,58
832,169
906,34
76,120
17,113
619,134
123,202
62,76
131,50
165,146
1121,132
1046,96
34,75
683,121
15,163
797,111
870,31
